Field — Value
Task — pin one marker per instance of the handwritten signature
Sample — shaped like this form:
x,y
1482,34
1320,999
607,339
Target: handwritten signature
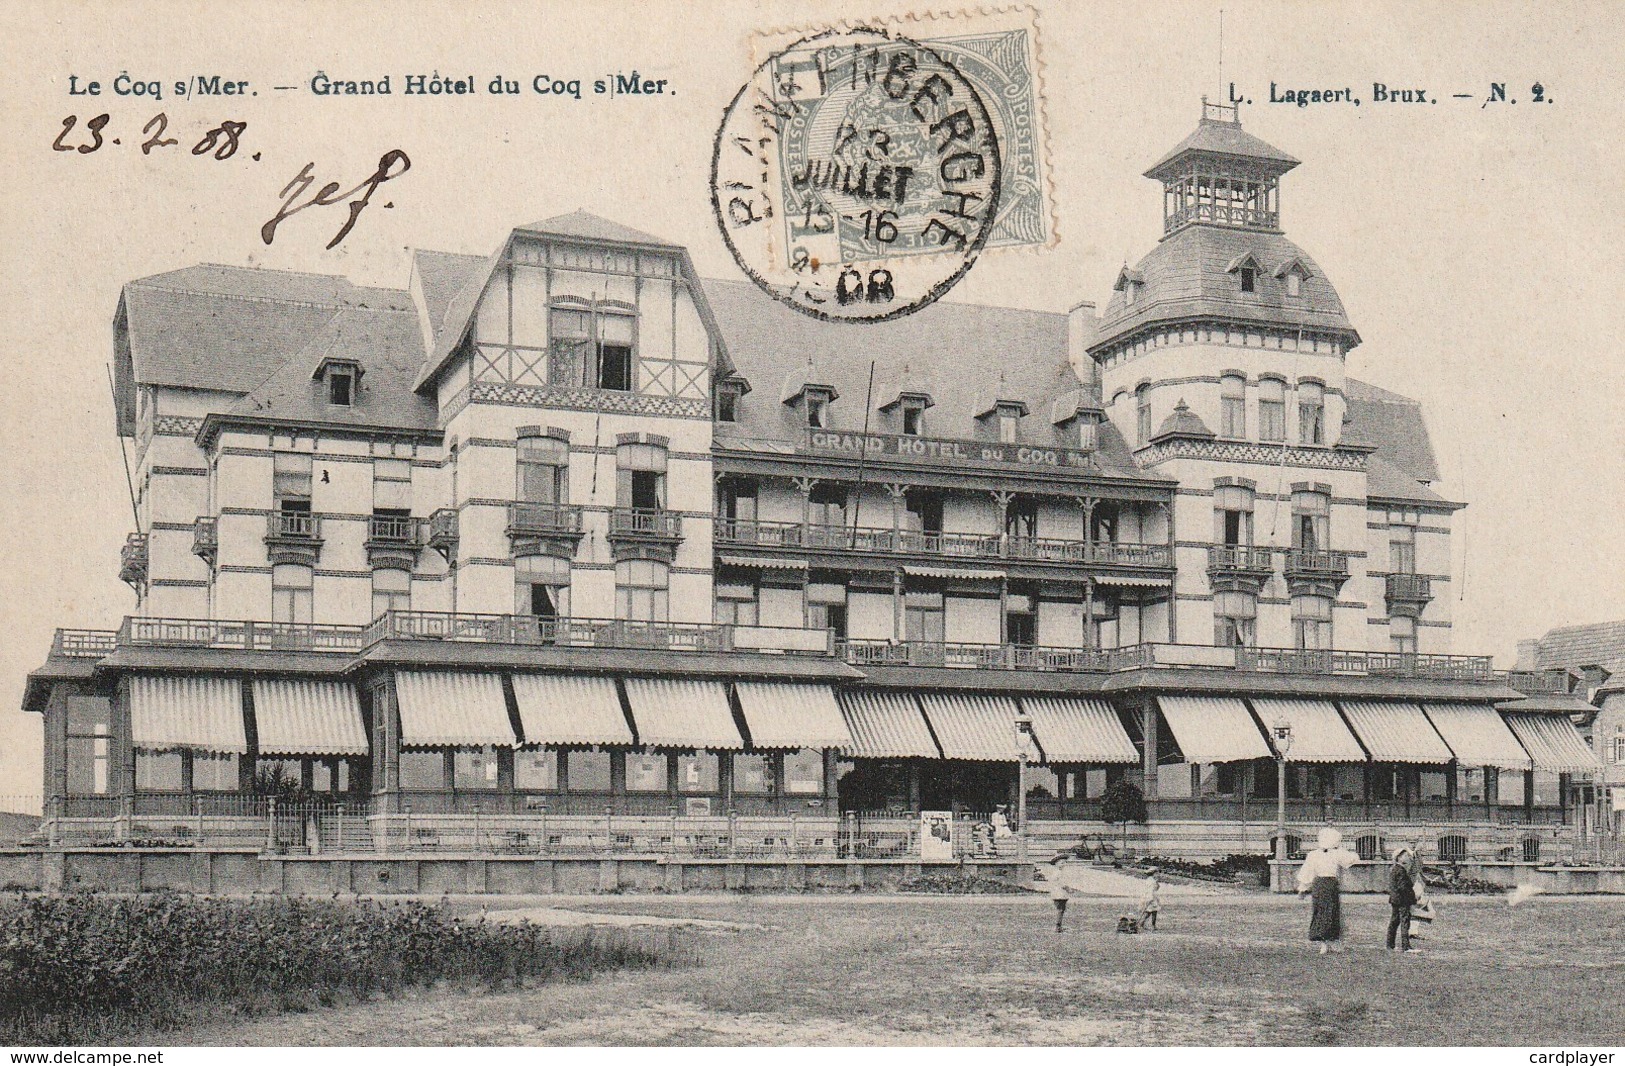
x,y
358,197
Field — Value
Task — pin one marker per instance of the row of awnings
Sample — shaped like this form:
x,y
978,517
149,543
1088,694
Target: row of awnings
x,y
891,724
1211,729
463,709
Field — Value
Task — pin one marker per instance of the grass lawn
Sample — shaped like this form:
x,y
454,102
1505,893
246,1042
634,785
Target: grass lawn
x,y
991,970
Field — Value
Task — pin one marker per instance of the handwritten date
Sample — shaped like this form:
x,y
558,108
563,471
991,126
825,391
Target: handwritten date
x,y
220,142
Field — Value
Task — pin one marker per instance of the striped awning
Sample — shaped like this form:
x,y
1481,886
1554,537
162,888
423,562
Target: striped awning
x,y
683,714
1396,732
1318,732
886,725
304,717
1130,581
1213,729
570,709
1079,730
973,726
1553,742
782,715
951,572
761,562
443,710
1477,735
187,712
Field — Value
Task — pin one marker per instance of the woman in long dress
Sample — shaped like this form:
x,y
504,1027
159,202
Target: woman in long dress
x,y
1321,878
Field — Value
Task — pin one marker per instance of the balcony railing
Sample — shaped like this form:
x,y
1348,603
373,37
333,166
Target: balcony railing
x,y
1410,587
1240,557
443,525
392,529
1324,563
979,656
541,519
1539,682
242,636
206,537
83,643
292,525
641,522
132,567
595,633
917,542
1366,663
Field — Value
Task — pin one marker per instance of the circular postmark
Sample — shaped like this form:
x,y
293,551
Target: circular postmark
x,y
855,176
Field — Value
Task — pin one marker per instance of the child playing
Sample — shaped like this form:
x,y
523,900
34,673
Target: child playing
x,y
1151,902
1059,893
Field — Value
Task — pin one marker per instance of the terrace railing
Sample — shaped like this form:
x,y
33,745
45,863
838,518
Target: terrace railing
x,y
83,643
594,633
976,656
240,636
919,542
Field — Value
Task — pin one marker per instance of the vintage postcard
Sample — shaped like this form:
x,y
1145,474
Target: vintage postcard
x,y
803,524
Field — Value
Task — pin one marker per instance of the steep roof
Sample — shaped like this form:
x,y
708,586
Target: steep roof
x,y
388,347
1393,423
1577,646
226,328
589,227
964,346
1226,138
1189,275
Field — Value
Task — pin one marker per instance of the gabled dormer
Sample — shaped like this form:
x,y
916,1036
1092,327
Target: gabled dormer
x,y
1292,274
804,391
338,381
1131,283
1247,271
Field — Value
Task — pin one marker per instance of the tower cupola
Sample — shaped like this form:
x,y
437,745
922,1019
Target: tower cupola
x,y
1222,175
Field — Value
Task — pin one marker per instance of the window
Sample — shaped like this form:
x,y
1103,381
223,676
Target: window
x,y
1142,413
391,591
913,417
423,770
736,506
89,722
923,617
1233,511
535,770
1271,410
1088,433
1234,619
697,772
291,593
214,771
1402,549
736,604
753,774
804,772
590,350
1311,520
640,476
290,478
474,769
157,771
1294,283
923,511
1249,279
542,586
641,590
324,779
1311,623
1311,413
816,404
1021,517
729,393
392,485
1619,750
647,773
1233,406
1402,634
542,470
1131,293
1021,628
826,505
587,771
340,385
828,616
1009,423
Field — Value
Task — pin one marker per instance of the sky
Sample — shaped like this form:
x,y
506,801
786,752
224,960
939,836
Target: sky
x,y
1477,249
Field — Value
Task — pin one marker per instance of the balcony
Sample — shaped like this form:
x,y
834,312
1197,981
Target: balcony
x,y
977,656
1239,567
984,546
1316,573
293,537
1408,593
206,539
596,633
443,532
641,533
392,541
237,636
544,519
132,563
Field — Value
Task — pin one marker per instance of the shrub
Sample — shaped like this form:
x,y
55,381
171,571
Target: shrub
x,y
80,966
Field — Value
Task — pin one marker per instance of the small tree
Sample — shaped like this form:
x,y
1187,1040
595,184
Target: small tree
x,y
1123,803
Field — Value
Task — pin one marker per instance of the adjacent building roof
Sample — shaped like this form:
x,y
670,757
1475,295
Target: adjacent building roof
x,y
1579,646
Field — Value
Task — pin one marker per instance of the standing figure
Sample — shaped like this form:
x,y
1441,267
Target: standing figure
x,y
1321,878
1402,896
1059,893
1151,902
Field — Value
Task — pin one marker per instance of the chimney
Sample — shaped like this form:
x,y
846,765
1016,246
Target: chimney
x,y
1081,324
1528,655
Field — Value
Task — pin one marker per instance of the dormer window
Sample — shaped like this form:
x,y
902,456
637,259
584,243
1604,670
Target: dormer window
x,y
729,392
1249,279
1131,292
1245,267
1292,273
1009,423
913,409
340,378
815,402
1294,284
1129,282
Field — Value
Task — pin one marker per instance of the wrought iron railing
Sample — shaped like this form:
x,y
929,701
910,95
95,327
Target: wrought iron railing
x,y
1409,587
241,636
1299,561
84,643
206,537
920,542
979,656
641,522
544,518
594,633
292,525
392,529
1239,557
443,525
